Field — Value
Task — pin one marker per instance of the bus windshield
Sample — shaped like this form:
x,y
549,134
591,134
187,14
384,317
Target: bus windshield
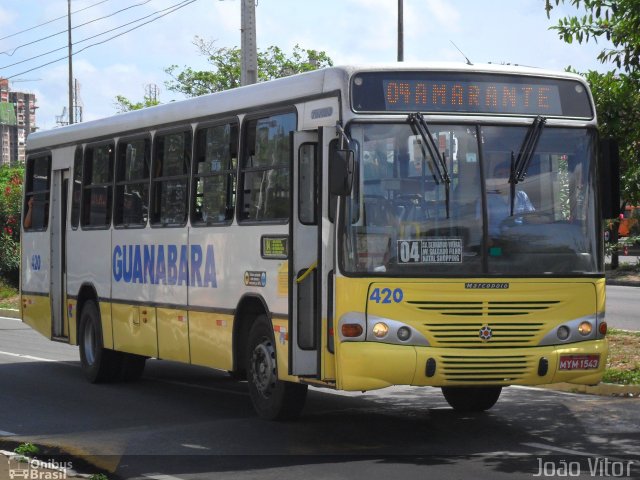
x,y
405,219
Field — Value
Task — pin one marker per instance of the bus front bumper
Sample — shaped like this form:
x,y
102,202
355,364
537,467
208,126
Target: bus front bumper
x,y
370,365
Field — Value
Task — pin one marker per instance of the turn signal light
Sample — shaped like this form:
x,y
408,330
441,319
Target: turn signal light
x,y
603,328
351,330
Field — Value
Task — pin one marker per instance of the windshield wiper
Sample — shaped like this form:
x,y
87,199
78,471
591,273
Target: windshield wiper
x,y
430,149
520,165
527,149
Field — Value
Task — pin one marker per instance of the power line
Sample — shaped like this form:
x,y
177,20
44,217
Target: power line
x,y
6,52
97,35
177,6
51,21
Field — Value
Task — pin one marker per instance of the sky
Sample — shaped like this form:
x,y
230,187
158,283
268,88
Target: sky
x,y
349,31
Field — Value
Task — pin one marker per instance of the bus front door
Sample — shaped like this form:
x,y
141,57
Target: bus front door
x,y
305,263
58,272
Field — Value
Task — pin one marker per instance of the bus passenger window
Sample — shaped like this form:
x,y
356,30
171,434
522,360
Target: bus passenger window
x,y
214,168
77,189
132,183
97,186
170,182
36,200
265,168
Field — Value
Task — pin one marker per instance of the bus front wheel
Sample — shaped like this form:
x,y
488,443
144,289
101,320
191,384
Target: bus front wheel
x,y
272,399
98,363
471,399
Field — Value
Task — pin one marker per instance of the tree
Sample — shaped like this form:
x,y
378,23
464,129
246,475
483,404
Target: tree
x,y
225,62
617,96
10,202
617,100
123,104
616,20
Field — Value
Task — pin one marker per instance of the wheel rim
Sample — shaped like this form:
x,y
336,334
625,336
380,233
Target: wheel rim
x,y
90,343
263,367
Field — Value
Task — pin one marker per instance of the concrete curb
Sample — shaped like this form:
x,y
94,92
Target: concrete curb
x,y
602,389
10,313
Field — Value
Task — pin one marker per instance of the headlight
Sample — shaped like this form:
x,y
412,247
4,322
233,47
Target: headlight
x,y
404,333
380,330
585,328
563,332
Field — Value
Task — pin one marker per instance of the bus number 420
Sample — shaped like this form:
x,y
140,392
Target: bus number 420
x,y
386,295
36,262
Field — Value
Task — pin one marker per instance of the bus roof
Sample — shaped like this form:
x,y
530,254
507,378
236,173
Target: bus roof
x,y
282,90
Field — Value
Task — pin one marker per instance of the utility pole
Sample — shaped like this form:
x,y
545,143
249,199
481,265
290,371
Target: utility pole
x,y
249,54
71,89
400,32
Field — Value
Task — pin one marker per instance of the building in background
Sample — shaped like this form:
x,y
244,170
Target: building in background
x,y
17,120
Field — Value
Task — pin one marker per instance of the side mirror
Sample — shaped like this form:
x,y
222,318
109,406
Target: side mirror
x,y
341,172
609,170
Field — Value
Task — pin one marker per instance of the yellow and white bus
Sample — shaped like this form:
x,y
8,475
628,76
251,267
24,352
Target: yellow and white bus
x,y
354,228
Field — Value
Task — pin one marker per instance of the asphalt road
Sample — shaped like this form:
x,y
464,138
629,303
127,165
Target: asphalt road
x,y
623,307
186,423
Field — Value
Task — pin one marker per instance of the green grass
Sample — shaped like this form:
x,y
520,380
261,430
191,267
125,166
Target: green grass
x,y
27,449
624,358
98,476
622,377
8,295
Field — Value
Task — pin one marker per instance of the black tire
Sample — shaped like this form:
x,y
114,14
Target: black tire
x,y
272,399
98,363
471,399
132,367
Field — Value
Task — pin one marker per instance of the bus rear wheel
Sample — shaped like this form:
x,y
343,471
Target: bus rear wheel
x,y
272,399
471,399
98,363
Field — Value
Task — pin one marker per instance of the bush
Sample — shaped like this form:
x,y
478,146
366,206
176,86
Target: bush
x,y
10,206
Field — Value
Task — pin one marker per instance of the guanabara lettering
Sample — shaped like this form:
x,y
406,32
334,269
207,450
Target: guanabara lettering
x,y
191,265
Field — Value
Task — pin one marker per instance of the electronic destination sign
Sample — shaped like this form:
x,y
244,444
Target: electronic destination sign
x,y
473,93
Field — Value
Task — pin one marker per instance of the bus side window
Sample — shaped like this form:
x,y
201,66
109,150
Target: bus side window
x,y
265,168
214,167
97,186
36,199
170,181
131,205
77,189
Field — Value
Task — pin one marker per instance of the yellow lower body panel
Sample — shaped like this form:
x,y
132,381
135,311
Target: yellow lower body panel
x,y
210,338
134,330
36,312
173,334
370,365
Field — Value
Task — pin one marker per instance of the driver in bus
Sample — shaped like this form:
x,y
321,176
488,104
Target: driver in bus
x,y
499,198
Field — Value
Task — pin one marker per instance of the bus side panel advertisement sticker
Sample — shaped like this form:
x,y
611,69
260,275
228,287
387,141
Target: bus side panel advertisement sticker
x,y
275,247
430,250
255,279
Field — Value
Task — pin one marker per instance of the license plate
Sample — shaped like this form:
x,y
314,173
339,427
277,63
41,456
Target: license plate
x,y
579,362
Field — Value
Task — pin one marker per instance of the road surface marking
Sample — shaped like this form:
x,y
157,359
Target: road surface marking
x,y
578,453
549,390
11,318
160,476
559,449
7,434
28,357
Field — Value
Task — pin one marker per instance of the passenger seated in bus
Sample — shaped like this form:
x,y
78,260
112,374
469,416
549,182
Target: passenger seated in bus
x,y
28,218
499,199
132,209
